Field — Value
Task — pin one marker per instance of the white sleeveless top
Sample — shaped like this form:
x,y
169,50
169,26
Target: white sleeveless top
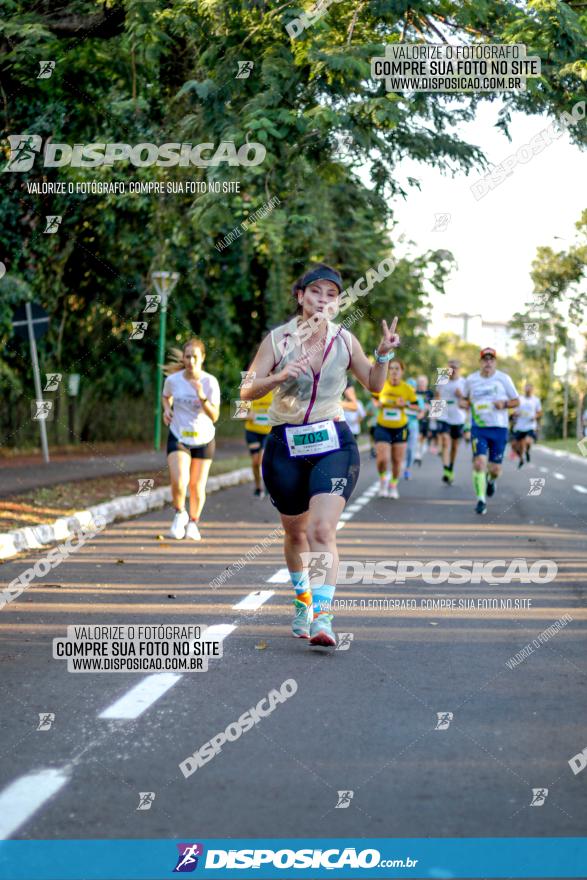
x,y
312,397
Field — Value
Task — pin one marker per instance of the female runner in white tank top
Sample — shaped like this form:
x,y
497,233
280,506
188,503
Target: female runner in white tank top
x,y
191,406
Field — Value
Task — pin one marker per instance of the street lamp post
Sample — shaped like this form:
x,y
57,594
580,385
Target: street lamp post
x,y
570,350
163,282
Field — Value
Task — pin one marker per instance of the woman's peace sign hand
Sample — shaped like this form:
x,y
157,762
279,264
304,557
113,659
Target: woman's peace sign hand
x,y
390,339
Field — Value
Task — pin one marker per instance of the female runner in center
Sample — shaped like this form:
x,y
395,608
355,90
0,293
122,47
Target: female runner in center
x,y
311,461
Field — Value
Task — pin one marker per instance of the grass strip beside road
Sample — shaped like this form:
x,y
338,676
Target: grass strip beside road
x,y
569,445
46,504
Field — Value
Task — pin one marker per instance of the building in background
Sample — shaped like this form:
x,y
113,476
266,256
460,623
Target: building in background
x,y
472,328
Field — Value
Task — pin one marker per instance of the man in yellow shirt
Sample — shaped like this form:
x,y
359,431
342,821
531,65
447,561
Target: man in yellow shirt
x,y
391,430
257,429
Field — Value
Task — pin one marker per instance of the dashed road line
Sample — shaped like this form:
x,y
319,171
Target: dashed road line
x,y
141,696
281,576
253,600
25,796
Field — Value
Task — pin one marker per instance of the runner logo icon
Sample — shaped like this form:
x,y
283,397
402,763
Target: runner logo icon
x,y
539,795
531,332
46,719
47,68
244,69
146,799
441,222
23,149
344,799
138,329
242,409
53,380
437,408
42,410
52,222
444,719
338,485
318,564
153,301
344,641
188,857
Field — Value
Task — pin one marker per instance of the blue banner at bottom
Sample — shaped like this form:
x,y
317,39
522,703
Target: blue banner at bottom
x,y
308,859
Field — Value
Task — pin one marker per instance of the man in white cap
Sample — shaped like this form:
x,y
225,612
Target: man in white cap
x,y
450,424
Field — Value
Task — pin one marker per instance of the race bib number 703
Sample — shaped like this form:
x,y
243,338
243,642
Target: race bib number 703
x,y
312,439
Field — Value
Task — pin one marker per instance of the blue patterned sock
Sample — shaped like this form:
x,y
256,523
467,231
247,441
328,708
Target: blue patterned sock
x,y
300,582
322,599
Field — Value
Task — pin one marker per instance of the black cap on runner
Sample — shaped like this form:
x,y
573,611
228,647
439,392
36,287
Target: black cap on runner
x,y
325,274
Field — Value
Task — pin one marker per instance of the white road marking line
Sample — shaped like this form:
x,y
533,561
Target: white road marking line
x,y
217,632
580,489
558,476
254,600
543,470
353,508
141,696
346,516
281,576
25,795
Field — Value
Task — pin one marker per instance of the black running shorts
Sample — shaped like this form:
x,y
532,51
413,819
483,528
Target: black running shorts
x,y
291,482
205,451
256,442
455,431
391,435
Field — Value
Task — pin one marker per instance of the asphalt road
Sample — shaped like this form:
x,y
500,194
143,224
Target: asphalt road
x,y
363,718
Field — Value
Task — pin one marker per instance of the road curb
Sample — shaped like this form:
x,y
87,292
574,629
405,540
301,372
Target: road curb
x,y
123,507
561,453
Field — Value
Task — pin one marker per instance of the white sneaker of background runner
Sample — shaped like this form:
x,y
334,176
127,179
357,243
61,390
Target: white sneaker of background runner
x,y
393,492
193,531
180,521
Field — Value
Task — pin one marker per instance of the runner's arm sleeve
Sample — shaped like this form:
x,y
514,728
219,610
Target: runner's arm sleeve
x,y
412,400
264,362
215,396
167,390
510,390
465,400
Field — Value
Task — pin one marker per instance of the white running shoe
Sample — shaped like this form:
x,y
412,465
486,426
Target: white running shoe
x,y
393,492
383,491
180,521
193,531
